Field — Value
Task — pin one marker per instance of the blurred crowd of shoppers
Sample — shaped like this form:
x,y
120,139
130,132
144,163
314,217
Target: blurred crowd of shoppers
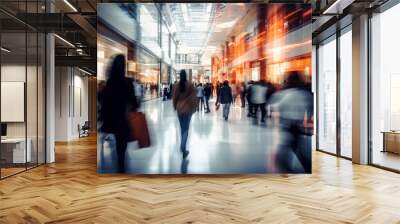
x,y
291,104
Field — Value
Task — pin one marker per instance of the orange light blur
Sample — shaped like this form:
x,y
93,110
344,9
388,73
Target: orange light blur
x,y
246,55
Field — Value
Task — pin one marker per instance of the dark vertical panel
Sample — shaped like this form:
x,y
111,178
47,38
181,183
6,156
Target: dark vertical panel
x,y
45,91
37,90
338,74
73,91
317,97
369,78
26,86
1,53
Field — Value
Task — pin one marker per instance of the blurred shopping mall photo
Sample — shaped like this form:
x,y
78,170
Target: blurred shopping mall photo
x,y
230,94
272,111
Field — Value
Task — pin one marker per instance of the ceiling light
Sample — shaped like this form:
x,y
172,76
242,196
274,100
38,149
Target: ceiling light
x,y
70,5
5,50
64,40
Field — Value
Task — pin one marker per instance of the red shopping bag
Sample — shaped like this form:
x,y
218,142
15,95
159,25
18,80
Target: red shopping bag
x,y
139,129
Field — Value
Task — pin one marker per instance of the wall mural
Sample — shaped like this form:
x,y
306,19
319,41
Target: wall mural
x,y
251,112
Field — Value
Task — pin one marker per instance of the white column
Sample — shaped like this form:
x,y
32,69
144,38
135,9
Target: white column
x,y
50,99
360,90
50,92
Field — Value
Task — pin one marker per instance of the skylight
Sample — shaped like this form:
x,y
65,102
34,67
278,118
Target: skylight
x,y
192,22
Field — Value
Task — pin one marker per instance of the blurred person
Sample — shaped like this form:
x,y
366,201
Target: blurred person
x,y
212,90
142,88
217,88
270,91
225,98
170,91
295,106
117,98
157,88
100,88
242,93
200,96
185,102
138,88
234,93
238,91
207,94
259,99
165,93
248,97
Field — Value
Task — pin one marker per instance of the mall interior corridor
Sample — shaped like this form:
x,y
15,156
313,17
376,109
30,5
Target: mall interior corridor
x,y
216,146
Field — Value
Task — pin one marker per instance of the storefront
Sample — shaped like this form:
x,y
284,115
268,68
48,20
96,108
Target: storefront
x,y
150,55
271,41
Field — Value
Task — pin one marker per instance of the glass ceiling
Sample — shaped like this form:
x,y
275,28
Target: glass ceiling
x,y
192,22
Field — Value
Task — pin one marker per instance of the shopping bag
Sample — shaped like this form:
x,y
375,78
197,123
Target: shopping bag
x,y
138,128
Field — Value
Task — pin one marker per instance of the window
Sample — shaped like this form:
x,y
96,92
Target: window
x,y
327,96
385,89
346,93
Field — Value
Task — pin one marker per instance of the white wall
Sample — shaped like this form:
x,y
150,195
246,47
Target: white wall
x,y
61,103
33,126
80,85
16,73
71,87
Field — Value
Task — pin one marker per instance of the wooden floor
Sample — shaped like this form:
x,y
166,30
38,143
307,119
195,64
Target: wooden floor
x,y
70,191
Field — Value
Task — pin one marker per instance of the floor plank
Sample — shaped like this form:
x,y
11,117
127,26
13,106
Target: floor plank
x,y
70,191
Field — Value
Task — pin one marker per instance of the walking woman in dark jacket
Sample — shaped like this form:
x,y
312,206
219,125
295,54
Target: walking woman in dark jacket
x,y
225,98
117,98
185,103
